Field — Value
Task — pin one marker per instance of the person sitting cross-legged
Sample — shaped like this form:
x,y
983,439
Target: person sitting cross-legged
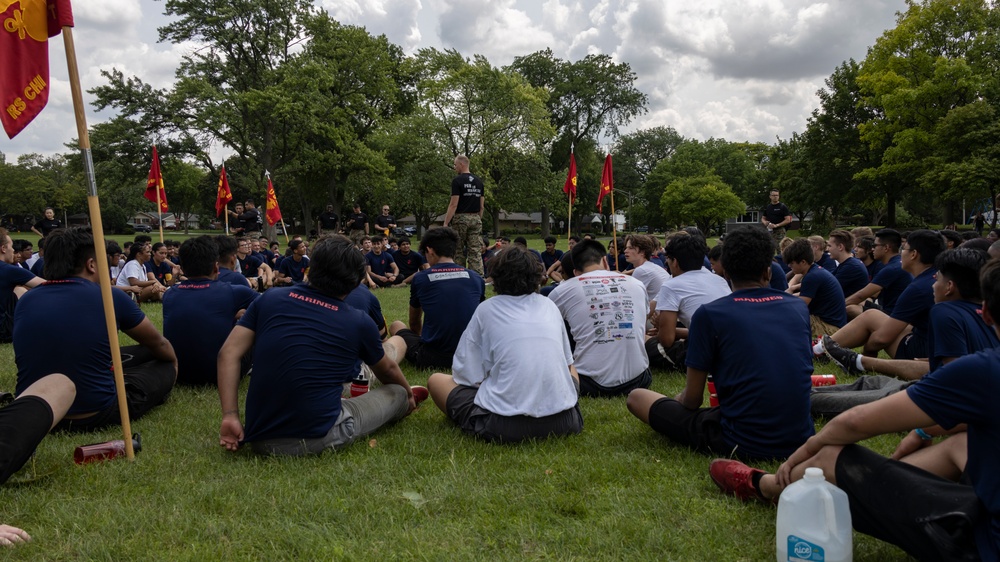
x,y
513,377
84,352
307,343
911,500
817,287
605,312
735,339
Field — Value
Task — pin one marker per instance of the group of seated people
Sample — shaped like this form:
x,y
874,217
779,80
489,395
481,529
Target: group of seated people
x,y
513,367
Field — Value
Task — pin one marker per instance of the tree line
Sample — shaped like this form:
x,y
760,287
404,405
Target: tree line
x,y
338,115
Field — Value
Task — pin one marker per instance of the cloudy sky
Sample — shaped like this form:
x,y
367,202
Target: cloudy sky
x,y
743,70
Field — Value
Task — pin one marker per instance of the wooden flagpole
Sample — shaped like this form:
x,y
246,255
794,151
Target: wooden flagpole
x,y
100,248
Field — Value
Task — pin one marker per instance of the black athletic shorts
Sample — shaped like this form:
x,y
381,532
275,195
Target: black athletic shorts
x,y
590,388
699,429
422,355
484,424
912,348
671,359
927,516
23,424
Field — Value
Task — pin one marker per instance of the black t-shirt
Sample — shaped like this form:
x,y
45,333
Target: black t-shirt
x,y
469,190
383,221
776,213
45,226
329,220
357,221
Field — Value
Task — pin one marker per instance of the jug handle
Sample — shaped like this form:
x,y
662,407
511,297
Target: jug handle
x,y
831,510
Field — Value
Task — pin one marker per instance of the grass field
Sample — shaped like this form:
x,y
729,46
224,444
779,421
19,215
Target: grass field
x,y
419,490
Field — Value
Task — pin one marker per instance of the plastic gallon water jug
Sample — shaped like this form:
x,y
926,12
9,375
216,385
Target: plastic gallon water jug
x,y
814,521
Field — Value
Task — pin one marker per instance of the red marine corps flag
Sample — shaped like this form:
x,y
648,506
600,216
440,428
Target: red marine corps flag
x,y
273,213
569,188
607,184
224,196
25,28
154,186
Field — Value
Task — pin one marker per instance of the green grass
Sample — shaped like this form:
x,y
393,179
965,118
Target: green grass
x,y
420,490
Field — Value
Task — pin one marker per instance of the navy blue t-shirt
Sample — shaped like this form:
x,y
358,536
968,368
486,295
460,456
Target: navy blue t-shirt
x,y
549,259
295,270
11,276
364,300
852,276
306,346
827,297
409,263
448,294
781,263
250,265
160,272
914,305
198,315
893,281
778,279
756,345
965,391
38,268
379,263
873,268
227,275
956,329
59,328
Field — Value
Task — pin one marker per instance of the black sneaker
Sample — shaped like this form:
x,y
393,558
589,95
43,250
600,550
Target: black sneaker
x,y
846,359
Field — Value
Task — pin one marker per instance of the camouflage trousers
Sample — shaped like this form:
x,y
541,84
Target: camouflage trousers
x,y
469,227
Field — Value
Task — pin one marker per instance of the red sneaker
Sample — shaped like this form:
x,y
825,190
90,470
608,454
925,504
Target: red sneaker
x,y
420,393
735,478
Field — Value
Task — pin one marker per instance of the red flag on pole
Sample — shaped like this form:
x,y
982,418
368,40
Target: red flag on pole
x,y
569,187
25,27
273,213
155,183
607,182
224,196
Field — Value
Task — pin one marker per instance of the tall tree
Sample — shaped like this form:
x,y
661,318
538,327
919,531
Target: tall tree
x,y
636,155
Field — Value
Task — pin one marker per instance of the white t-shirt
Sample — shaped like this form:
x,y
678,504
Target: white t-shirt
x,y
516,351
686,292
606,312
652,277
131,269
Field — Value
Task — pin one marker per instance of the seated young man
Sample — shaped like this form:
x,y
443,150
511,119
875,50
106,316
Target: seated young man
x,y
890,281
228,265
638,249
903,332
513,377
253,267
23,424
955,329
381,267
908,503
605,312
302,360
293,268
680,297
442,300
135,274
850,273
14,281
555,272
84,353
735,339
408,262
864,250
199,313
551,256
818,288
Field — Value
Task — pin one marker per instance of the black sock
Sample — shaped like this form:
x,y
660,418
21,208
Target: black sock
x,y
755,480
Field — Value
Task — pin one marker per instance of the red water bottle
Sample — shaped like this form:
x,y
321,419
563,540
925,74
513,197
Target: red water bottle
x,y
108,450
824,380
359,386
713,397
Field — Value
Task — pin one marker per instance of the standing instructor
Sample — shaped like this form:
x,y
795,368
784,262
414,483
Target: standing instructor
x,y
465,215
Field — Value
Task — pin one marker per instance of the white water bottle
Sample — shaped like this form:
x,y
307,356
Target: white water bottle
x,y
814,521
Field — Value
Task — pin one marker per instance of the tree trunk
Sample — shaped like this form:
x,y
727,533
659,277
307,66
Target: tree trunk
x,y
545,221
890,210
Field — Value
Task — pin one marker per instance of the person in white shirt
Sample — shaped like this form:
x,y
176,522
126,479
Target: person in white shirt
x,y
512,376
690,287
605,311
638,249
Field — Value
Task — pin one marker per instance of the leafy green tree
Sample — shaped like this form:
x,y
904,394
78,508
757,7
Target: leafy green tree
x,y
635,156
705,201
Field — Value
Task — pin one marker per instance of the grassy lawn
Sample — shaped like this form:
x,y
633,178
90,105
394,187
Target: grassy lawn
x,y
418,490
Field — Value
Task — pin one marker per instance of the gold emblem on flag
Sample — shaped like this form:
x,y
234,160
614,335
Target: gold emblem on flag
x,y
30,20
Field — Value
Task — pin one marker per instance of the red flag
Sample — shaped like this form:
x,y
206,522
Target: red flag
x,y
607,182
569,187
273,213
25,27
155,183
224,196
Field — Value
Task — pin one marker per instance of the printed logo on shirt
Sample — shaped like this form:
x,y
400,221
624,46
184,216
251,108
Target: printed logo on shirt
x,y
445,275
